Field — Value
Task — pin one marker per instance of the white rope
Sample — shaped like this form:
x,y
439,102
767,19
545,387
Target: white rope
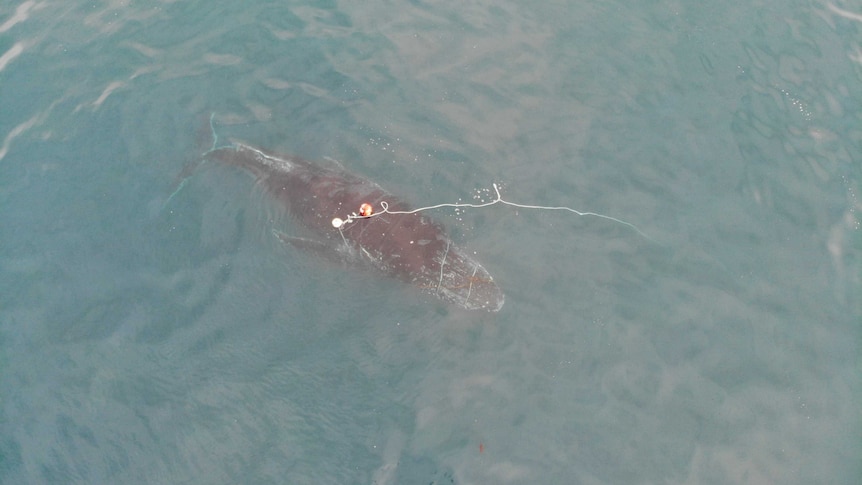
x,y
338,222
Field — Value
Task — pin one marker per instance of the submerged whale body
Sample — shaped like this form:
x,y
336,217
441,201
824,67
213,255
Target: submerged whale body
x,y
410,247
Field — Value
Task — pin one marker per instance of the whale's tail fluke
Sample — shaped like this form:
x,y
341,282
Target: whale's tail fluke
x,y
208,141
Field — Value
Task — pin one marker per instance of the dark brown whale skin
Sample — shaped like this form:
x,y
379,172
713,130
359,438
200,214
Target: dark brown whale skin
x,y
410,247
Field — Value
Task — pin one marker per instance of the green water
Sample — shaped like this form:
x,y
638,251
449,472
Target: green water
x,y
152,341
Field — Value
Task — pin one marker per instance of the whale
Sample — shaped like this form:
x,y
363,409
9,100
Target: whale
x,y
382,231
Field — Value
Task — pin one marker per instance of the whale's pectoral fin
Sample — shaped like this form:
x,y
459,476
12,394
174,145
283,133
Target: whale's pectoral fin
x,y
302,243
318,248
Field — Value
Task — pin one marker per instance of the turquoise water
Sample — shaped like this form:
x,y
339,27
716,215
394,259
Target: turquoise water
x,y
152,341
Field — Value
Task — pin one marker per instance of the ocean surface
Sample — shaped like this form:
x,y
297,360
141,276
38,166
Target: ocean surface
x,y
147,337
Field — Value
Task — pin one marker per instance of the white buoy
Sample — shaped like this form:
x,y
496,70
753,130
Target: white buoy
x,y
337,222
